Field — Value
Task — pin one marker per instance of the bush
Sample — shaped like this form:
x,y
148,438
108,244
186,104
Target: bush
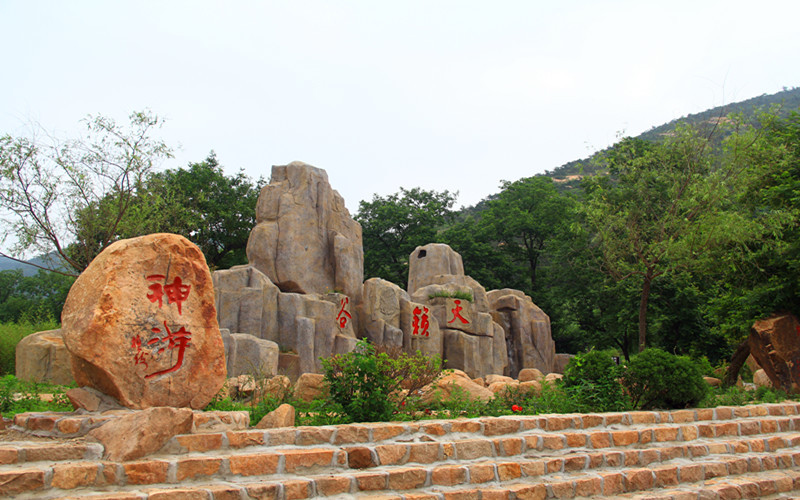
x,y
657,379
370,385
592,379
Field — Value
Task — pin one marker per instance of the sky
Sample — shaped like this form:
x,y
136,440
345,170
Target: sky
x,y
455,95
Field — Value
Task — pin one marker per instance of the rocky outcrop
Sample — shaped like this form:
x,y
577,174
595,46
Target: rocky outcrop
x,y
305,240
247,302
246,354
775,344
528,338
458,304
140,324
43,357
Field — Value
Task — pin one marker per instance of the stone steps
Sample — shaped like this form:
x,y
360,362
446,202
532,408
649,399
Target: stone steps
x,y
661,454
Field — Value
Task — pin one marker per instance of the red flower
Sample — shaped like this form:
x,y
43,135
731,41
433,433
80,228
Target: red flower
x,y
516,408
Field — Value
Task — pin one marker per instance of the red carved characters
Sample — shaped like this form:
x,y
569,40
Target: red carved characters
x,y
420,323
176,293
343,315
457,313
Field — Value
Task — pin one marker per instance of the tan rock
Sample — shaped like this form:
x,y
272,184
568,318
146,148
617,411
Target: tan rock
x,y
141,433
310,386
427,262
752,363
140,324
305,240
43,357
528,374
91,399
502,386
760,378
527,327
561,362
534,386
451,383
493,378
713,381
247,302
282,416
553,377
381,312
246,354
775,344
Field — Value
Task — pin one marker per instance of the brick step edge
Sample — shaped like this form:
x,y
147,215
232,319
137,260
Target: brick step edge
x,y
70,424
627,484
442,476
298,461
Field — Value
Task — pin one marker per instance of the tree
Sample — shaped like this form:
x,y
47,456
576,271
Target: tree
x,y
663,205
393,226
525,217
47,186
215,211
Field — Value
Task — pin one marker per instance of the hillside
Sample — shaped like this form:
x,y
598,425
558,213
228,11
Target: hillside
x,y
788,100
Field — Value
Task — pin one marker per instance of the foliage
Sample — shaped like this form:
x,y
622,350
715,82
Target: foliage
x,y
656,379
17,396
32,298
367,383
52,192
663,206
524,218
201,203
592,379
394,225
11,333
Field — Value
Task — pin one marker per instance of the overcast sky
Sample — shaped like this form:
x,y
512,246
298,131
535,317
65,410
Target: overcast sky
x,y
454,95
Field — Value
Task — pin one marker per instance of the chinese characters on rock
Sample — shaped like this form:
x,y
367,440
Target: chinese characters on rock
x,y
344,316
176,294
420,322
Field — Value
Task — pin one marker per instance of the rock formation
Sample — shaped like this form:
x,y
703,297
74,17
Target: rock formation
x,y
528,338
43,357
140,324
458,304
303,290
775,344
305,240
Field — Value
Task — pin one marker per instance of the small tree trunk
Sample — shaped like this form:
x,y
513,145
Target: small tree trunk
x,y
643,312
737,361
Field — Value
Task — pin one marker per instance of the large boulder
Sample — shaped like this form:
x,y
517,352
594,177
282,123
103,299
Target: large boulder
x,y
141,326
43,357
528,337
775,344
305,240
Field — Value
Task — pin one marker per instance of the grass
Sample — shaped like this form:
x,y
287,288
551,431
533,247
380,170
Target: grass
x,y
452,295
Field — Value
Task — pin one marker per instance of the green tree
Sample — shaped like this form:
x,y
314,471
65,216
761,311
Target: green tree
x,y
214,211
393,226
662,207
45,184
525,217
32,298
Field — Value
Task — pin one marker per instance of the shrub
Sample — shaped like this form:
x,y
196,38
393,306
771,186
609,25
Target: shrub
x,y
370,385
592,379
458,294
657,379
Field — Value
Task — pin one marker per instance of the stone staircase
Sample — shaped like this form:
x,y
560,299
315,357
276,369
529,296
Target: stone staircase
x,y
725,453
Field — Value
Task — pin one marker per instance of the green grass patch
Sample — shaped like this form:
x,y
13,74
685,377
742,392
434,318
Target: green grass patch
x,y
452,295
